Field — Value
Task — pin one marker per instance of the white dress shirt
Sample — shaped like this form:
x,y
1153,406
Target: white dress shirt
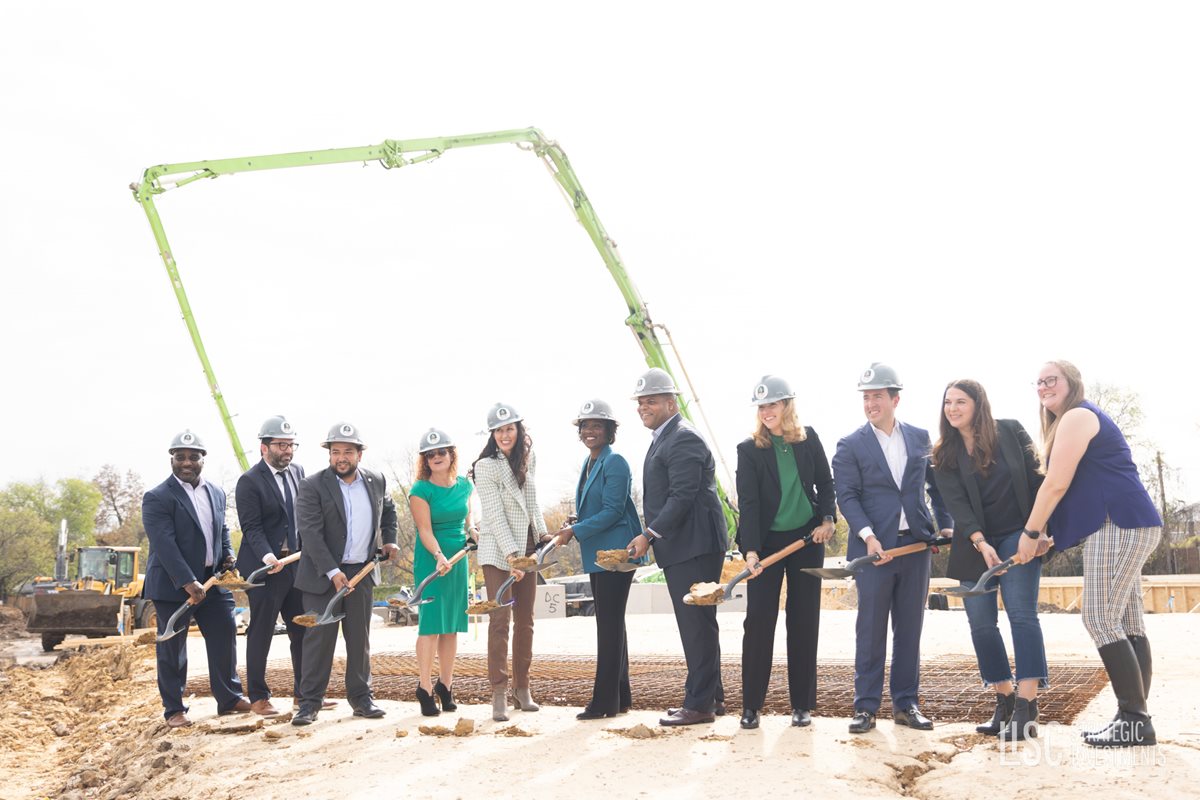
x,y
895,452
359,528
202,502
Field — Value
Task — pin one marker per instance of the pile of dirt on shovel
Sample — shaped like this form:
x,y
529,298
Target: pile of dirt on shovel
x,y
89,726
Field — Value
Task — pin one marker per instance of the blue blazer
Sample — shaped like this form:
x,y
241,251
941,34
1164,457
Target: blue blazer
x,y
608,519
176,540
867,494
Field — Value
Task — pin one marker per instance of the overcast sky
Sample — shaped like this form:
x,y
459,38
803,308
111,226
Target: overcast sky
x,y
959,189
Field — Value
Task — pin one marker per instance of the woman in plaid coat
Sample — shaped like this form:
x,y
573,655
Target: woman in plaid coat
x,y
511,526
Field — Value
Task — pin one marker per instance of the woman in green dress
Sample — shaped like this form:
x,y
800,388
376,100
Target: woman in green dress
x,y
440,501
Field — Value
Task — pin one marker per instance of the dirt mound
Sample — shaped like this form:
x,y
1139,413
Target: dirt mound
x,y
88,724
12,623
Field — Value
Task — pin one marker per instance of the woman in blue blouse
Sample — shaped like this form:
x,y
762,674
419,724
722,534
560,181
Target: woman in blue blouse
x,y
607,520
1092,494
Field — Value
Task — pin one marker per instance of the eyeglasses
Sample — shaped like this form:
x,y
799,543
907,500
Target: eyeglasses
x,y
441,451
284,445
181,456
1049,381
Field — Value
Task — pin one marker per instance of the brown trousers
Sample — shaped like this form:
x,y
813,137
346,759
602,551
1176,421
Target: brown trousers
x,y
524,592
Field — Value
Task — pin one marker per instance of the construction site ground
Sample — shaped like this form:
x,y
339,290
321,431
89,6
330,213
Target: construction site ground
x,y
90,726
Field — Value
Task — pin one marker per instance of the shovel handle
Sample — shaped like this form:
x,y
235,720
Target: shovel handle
x,y
367,569
785,552
294,557
266,568
454,559
917,547
208,584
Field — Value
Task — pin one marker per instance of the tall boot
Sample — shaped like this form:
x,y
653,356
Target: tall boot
x,y
1024,722
1132,727
1141,648
1001,717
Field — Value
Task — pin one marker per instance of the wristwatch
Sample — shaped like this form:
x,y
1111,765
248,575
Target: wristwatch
x,y
1031,534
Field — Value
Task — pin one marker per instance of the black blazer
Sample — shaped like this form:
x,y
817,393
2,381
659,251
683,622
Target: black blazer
x,y
759,493
679,496
960,491
262,514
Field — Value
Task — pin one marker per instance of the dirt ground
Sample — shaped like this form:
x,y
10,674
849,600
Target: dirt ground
x,y
91,727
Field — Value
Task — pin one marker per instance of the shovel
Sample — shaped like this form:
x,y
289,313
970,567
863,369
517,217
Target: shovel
x,y
978,588
257,575
312,619
417,599
858,564
624,566
504,587
170,631
719,594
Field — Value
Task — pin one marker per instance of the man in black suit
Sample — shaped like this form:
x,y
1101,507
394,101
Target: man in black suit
x,y
266,508
344,515
686,527
189,541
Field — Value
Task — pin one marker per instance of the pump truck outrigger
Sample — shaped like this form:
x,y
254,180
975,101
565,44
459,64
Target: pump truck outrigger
x,y
393,153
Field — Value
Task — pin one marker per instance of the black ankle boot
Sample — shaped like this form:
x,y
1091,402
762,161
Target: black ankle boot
x,y
445,695
1132,727
429,706
1023,724
1001,717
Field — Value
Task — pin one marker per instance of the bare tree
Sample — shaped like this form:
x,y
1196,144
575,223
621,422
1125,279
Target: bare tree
x,y
119,518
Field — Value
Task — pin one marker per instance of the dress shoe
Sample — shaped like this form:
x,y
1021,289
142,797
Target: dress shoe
x,y
242,706
305,716
863,721
178,720
749,719
588,713
429,706
264,708
913,718
801,718
325,705
445,696
686,716
369,710
718,710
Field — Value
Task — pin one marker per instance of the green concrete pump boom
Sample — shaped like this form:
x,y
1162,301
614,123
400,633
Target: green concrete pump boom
x,y
399,153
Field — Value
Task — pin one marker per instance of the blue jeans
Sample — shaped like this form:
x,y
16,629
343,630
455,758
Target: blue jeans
x,y
1019,587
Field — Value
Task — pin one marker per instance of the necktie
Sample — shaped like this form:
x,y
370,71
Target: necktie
x,y
290,507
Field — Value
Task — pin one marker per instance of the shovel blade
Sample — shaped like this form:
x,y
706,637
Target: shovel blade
x,y
171,631
626,566
829,573
329,620
967,591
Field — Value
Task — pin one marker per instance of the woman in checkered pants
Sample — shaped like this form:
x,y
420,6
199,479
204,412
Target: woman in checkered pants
x,y
1092,494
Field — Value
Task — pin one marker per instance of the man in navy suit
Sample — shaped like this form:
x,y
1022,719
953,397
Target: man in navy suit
x,y
266,508
686,527
189,542
881,473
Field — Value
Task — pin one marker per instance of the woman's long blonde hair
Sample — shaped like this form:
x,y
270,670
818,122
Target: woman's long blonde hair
x,y
793,431
1074,398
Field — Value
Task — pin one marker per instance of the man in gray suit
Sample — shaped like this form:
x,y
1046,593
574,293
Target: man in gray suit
x,y
686,527
344,515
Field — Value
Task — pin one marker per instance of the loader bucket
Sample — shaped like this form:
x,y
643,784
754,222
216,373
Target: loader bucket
x,y
88,613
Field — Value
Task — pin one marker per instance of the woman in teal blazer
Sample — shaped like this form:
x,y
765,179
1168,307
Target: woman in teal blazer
x,y
606,520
